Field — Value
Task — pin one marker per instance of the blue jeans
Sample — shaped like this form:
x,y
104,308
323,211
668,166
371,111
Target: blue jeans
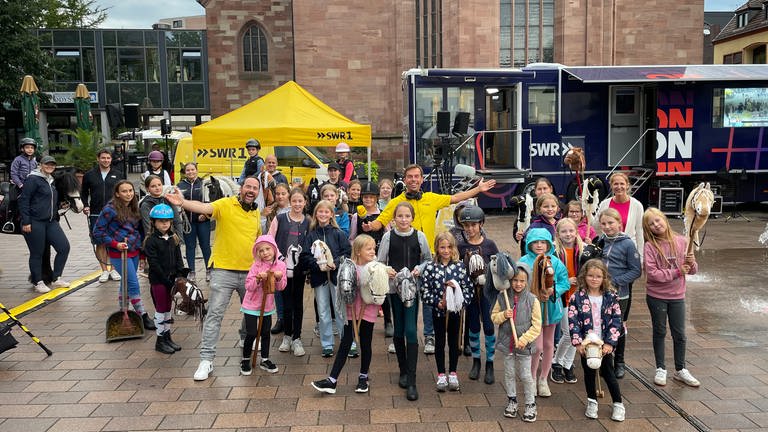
x,y
223,284
199,232
129,274
325,295
429,329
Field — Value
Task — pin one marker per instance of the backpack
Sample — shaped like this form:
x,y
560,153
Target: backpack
x,y
375,285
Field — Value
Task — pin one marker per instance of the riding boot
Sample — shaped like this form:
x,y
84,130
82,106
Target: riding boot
x,y
402,362
489,378
149,323
162,346
474,373
412,358
467,349
170,342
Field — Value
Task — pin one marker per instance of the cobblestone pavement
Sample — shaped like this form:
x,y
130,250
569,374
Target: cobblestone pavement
x,y
89,385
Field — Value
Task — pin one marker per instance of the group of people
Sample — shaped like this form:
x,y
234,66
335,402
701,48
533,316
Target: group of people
x,y
538,328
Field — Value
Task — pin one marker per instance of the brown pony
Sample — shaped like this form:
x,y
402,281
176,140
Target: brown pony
x,y
543,280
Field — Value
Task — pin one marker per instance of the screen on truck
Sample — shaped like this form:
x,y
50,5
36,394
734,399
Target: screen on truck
x,y
745,107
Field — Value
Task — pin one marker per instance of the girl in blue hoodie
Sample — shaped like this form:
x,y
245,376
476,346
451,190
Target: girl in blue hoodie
x,y
623,261
539,241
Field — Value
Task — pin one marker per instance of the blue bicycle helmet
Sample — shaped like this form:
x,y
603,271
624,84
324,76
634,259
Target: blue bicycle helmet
x,y
161,211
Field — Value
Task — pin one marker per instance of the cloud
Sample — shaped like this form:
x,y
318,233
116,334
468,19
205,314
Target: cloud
x,y
141,14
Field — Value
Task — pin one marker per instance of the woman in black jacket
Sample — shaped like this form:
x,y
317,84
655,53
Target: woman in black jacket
x,y
200,224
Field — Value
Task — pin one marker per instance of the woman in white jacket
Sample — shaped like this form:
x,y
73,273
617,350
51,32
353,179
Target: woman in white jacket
x,y
630,209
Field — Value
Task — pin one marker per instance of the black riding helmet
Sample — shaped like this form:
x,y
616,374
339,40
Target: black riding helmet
x,y
369,188
472,213
27,141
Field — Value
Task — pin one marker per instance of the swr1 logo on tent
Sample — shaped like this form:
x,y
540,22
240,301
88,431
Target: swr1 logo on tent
x,y
335,135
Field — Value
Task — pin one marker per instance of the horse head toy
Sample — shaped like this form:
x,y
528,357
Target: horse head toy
x,y
291,259
543,279
189,299
406,287
347,279
697,208
476,267
322,254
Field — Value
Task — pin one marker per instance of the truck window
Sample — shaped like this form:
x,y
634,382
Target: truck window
x,y
541,104
289,156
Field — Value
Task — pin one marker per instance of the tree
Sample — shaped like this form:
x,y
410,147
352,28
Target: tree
x,y
71,14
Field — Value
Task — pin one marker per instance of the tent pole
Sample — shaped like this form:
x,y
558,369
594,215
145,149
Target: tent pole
x,y
369,164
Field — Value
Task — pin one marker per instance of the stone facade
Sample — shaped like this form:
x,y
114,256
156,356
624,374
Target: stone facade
x,y
470,33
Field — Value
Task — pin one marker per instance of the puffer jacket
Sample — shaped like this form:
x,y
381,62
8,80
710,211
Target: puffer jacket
x,y
527,318
554,305
39,199
254,287
623,261
337,242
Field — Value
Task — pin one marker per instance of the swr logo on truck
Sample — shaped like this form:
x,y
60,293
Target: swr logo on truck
x,y
234,153
335,135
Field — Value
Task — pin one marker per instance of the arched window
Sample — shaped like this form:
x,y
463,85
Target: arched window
x,y
255,50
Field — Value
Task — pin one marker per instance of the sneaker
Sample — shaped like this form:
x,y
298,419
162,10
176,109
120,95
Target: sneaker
x,y
389,330
268,366
618,412
511,409
245,367
557,375
362,385
591,411
544,388
353,353
442,383
60,283
685,377
286,345
316,330
529,415
104,276
114,275
325,386
203,370
298,348
429,344
453,382
241,343
391,349
570,375
41,287
661,377
191,276
207,276
327,352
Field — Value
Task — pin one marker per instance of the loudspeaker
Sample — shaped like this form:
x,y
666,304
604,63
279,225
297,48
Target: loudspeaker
x,y
499,101
461,123
165,126
443,123
132,116
114,115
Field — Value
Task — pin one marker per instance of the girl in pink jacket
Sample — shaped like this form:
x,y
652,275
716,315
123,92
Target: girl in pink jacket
x,y
260,305
666,265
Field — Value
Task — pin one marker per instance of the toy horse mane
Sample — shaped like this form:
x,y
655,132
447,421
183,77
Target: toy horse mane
x,y
543,276
697,208
574,159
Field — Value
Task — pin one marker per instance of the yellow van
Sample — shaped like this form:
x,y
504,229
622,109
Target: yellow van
x,y
298,164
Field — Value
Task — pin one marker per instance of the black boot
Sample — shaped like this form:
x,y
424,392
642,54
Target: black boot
x,y
618,370
278,327
474,373
162,346
149,324
412,358
489,378
467,349
402,362
170,342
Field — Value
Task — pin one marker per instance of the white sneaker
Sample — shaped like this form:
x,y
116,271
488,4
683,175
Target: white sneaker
x,y
298,348
114,275
442,383
618,412
41,287
391,349
685,377
104,276
453,382
286,345
544,388
661,377
429,344
203,370
591,411
60,283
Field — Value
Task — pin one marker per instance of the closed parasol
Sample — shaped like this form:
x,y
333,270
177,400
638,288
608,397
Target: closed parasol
x,y
83,108
30,107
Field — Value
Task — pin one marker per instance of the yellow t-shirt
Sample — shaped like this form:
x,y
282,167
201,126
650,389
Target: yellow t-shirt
x,y
236,232
426,213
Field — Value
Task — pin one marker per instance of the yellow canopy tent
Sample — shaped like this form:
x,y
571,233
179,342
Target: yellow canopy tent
x,y
287,116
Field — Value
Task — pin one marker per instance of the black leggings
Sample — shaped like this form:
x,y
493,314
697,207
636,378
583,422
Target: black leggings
x,y
252,328
348,335
453,340
606,371
622,342
293,306
42,234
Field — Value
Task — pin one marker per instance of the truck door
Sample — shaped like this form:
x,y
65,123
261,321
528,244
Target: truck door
x,y
625,126
501,140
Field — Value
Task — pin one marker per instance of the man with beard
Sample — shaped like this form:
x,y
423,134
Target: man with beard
x,y
238,224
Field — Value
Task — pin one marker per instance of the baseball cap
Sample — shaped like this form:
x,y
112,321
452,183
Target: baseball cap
x,y
48,160
334,165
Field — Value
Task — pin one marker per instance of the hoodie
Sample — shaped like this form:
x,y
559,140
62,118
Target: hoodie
x,y
337,242
38,200
666,281
253,287
527,317
623,261
145,206
554,305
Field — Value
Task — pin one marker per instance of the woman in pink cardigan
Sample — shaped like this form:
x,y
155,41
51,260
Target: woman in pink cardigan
x,y
666,264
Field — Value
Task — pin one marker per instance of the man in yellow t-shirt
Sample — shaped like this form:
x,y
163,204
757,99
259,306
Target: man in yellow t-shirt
x,y
238,224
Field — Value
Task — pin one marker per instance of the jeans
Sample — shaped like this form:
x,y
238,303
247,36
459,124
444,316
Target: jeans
x,y
674,311
565,351
44,233
325,296
429,328
518,366
279,305
129,274
223,284
199,232
404,319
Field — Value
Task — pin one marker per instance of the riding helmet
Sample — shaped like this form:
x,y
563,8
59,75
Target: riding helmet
x,y
253,143
370,188
161,211
27,141
472,214
342,147
155,155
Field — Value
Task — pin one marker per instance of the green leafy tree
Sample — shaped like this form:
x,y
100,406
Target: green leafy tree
x,y
71,14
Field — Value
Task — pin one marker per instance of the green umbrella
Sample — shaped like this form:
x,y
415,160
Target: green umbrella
x,y
30,108
83,108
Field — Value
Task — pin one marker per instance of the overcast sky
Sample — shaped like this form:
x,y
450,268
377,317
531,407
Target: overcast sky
x,y
144,13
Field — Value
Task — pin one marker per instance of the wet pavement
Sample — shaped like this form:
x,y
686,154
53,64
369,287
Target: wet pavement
x,y
88,384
